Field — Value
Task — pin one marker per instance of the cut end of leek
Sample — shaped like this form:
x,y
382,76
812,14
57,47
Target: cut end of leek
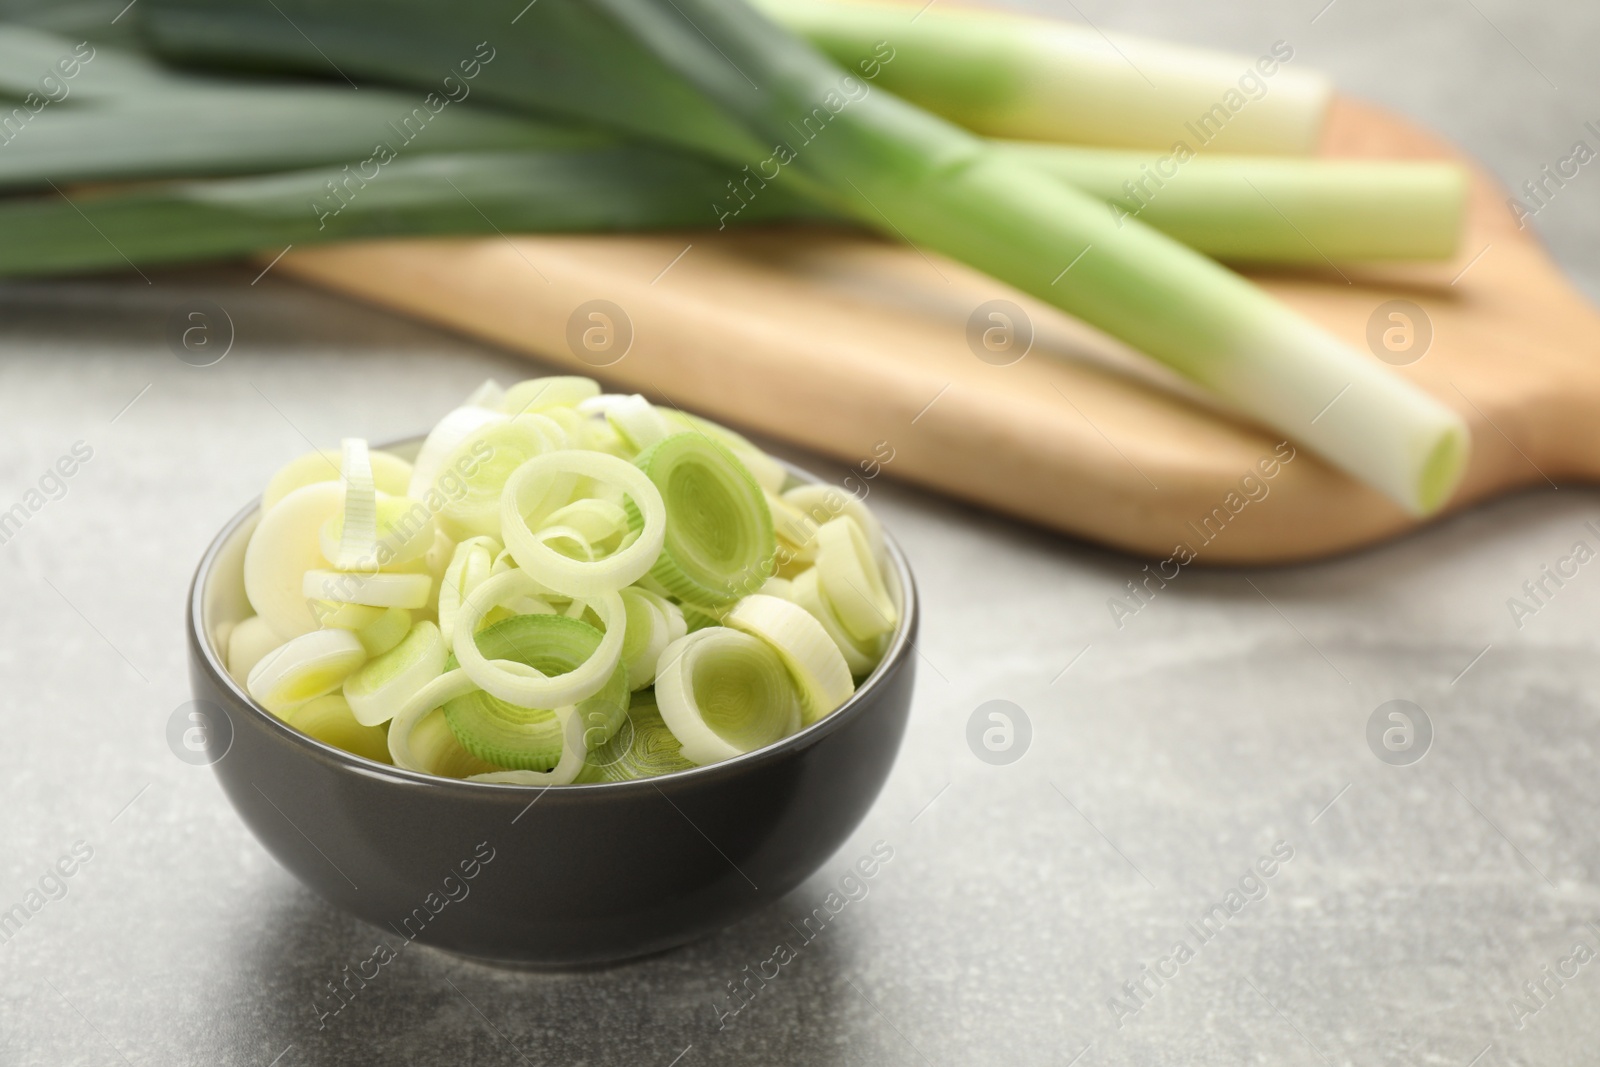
x,y
1355,413
1443,469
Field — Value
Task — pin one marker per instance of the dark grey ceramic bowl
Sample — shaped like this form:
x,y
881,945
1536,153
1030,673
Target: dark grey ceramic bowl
x,y
557,876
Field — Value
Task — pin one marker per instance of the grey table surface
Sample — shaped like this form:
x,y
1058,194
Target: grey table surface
x,y
1227,719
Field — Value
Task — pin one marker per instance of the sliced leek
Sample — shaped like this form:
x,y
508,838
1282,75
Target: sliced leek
x,y
860,656
643,748
677,625
390,474
696,617
383,684
470,565
284,547
476,469
330,720
586,529
340,615
420,706
588,427
822,503
531,738
795,531
630,624
719,541
852,581
309,666
769,473
435,749
357,546
649,632
782,588
566,768
518,683
441,441
814,661
403,531
251,639
491,394
723,693
384,632
541,394
373,590
637,421
583,577
433,565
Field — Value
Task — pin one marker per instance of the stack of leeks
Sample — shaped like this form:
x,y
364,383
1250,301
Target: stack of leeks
x,y
569,115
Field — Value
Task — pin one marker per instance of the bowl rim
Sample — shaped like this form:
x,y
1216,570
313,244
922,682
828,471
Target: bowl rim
x,y
901,647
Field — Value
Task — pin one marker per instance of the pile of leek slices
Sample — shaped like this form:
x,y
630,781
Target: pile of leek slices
x,y
566,586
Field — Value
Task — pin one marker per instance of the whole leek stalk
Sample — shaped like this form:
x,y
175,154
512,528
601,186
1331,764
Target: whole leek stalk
x,y
740,88
1010,75
585,188
28,53
220,128
146,121
578,183
998,73
1249,209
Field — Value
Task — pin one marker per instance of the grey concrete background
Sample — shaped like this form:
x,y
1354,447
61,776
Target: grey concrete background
x,y
1228,716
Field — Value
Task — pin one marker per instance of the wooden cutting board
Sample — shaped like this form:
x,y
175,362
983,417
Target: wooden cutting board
x,y
859,348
